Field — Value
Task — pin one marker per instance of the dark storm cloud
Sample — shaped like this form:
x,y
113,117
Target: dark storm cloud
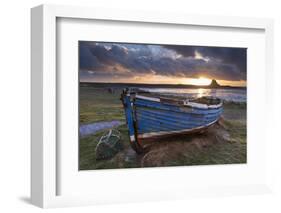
x,y
168,60
187,51
234,56
115,55
86,59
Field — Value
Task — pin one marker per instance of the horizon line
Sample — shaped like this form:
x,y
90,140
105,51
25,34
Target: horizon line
x,y
158,84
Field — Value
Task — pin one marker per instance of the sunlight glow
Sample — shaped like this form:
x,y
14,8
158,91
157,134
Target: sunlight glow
x,y
200,93
201,81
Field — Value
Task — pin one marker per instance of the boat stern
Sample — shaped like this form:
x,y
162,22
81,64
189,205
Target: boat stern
x,y
127,98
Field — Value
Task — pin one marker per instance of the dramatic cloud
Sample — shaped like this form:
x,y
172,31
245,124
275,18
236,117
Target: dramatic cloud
x,y
127,60
232,56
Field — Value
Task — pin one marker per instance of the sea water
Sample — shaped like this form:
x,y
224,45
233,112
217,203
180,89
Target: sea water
x,y
234,95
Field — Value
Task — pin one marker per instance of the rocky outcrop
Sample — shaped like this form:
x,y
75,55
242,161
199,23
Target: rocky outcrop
x,y
214,84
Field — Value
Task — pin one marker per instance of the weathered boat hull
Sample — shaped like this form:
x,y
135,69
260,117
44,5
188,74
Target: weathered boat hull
x,y
153,117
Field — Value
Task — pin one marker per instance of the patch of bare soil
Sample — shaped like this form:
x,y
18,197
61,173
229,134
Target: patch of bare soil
x,y
172,149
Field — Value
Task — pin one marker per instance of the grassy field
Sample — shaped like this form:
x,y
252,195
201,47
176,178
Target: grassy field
x,y
223,143
99,105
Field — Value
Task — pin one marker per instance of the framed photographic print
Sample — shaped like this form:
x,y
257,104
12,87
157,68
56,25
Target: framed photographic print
x,y
148,105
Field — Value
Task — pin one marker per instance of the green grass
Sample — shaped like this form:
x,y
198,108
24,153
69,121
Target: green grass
x,y
100,105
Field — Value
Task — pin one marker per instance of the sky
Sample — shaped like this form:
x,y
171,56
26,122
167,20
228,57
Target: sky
x,y
161,64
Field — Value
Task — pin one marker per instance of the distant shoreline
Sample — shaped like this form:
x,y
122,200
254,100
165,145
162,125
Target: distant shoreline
x,y
179,86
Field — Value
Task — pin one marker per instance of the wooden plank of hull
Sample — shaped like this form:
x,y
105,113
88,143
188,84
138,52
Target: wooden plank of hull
x,y
153,135
182,118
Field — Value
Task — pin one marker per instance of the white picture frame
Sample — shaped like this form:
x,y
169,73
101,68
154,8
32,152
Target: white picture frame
x,y
44,168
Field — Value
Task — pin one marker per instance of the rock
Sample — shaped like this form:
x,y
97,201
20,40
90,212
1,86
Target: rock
x,y
214,84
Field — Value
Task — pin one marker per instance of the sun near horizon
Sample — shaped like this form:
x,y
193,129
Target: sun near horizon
x,y
201,81
205,81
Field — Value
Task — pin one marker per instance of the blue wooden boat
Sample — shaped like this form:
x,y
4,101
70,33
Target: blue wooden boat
x,y
154,115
